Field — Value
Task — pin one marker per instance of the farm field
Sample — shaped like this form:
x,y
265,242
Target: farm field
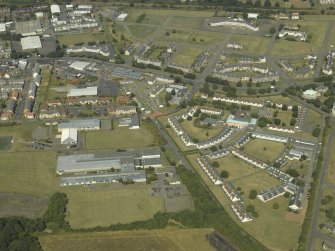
x,y
162,240
115,138
102,207
264,150
81,38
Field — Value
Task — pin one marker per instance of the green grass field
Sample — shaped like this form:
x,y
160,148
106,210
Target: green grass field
x,y
250,43
284,116
141,31
154,19
31,173
104,207
186,56
5,143
134,13
200,133
317,30
236,168
270,227
331,167
264,150
81,38
184,22
313,118
116,138
162,240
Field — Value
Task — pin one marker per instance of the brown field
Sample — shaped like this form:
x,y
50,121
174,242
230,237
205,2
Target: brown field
x,y
160,240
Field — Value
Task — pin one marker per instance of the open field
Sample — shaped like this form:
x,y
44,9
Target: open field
x,y
283,47
284,116
22,205
81,38
264,150
154,19
270,227
186,56
200,133
102,207
331,167
31,173
160,240
173,35
313,119
250,43
235,167
116,138
184,22
317,31
134,13
141,31
5,143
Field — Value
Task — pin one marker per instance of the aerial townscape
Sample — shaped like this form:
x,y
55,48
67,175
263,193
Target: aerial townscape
x,y
167,125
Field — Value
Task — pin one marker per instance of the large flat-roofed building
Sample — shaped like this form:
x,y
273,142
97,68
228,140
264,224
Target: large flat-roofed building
x,y
80,124
54,8
88,91
31,43
28,28
79,65
106,161
136,176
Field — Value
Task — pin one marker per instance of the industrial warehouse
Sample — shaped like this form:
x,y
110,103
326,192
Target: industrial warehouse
x,y
104,161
